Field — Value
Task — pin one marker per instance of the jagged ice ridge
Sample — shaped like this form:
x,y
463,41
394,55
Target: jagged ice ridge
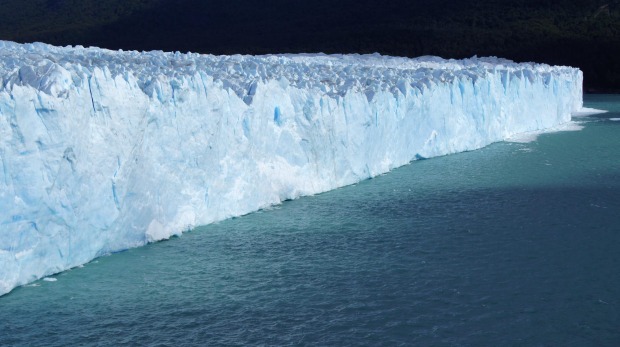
x,y
106,150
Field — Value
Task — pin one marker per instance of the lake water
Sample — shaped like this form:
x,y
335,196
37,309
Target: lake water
x,y
515,244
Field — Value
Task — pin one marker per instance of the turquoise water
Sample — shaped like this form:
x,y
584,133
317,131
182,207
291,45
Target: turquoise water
x,y
514,244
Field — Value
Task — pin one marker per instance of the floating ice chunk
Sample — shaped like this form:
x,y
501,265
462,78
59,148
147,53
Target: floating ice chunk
x,y
586,111
524,137
533,135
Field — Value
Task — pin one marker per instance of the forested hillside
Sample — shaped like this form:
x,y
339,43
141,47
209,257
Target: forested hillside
x,y
583,33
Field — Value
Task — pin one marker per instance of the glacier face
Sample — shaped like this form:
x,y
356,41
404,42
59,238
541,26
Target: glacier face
x,y
106,150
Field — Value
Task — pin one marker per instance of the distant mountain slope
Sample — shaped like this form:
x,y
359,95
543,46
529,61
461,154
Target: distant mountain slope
x,y
48,18
583,33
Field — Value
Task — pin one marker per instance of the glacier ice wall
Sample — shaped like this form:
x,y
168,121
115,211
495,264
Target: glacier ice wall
x,y
106,150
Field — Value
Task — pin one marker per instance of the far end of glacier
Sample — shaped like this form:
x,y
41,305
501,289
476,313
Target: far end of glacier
x,y
104,150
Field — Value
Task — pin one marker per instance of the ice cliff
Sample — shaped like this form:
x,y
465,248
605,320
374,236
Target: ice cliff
x,y
106,150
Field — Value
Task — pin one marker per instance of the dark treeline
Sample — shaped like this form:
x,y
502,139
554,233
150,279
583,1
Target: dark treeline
x,y
582,33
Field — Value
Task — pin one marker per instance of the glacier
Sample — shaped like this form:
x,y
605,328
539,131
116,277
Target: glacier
x,y
101,150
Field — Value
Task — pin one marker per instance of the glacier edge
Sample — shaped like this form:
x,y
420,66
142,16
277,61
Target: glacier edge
x,y
103,150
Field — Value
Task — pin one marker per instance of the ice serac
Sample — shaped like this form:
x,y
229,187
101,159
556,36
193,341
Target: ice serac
x,y
106,150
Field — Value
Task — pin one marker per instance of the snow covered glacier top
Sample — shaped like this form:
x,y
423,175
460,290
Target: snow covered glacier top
x,y
105,150
54,70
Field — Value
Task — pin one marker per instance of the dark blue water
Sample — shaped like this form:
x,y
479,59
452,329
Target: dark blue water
x,y
514,244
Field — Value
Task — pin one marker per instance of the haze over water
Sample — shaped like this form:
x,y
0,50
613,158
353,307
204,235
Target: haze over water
x,y
513,244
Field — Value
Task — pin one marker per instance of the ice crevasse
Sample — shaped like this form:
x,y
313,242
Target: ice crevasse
x,y
104,150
